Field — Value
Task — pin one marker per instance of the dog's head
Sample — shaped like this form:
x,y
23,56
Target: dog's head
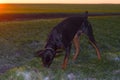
x,y
47,56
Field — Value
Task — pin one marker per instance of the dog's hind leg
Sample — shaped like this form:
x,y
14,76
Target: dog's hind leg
x,y
89,33
96,48
77,46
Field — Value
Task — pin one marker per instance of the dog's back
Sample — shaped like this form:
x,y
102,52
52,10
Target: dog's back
x,y
68,28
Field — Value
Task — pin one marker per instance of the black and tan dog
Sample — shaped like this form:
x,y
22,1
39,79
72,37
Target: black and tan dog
x,y
62,36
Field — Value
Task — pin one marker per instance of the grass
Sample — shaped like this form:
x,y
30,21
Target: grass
x,y
58,8
19,40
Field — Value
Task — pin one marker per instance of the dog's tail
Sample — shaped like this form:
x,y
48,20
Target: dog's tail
x,y
86,14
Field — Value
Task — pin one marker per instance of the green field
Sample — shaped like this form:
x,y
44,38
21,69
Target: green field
x,y
19,40
58,8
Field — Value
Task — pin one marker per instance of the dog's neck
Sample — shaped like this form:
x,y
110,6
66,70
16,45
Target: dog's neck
x,y
50,44
49,48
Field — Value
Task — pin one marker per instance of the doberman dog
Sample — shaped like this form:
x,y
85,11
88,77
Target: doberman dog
x,y
62,36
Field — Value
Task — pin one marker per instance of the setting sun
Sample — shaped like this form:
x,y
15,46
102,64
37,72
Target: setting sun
x,y
2,7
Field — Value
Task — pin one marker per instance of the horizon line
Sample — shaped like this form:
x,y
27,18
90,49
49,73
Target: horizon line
x,y
53,3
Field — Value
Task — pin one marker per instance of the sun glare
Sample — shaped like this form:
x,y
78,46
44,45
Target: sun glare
x,y
2,8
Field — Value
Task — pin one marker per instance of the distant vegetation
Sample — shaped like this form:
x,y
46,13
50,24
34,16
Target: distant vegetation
x,y
58,8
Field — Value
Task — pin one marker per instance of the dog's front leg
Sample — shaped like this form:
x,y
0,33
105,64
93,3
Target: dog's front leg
x,y
64,65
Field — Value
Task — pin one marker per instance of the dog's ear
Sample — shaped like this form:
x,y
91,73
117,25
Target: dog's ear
x,y
39,53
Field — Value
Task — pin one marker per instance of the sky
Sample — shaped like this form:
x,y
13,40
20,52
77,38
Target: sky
x,y
62,1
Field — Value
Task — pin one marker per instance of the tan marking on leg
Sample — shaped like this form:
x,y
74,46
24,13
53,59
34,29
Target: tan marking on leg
x,y
64,65
97,50
77,46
